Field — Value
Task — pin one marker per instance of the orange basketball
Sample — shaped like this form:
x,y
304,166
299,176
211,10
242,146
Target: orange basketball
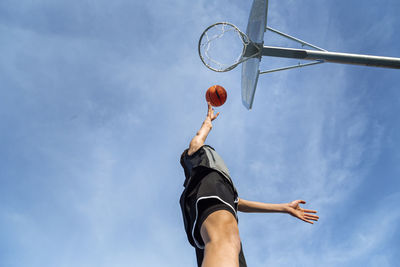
x,y
216,95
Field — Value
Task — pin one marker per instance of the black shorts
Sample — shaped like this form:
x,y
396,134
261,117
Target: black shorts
x,y
206,193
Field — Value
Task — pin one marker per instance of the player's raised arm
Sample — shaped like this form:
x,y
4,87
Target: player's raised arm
x,y
293,208
201,135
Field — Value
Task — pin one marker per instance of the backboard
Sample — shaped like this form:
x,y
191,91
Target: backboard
x,y
250,68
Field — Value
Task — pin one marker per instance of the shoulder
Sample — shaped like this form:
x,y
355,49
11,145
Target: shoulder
x,y
187,154
191,152
209,150
183,156
208,147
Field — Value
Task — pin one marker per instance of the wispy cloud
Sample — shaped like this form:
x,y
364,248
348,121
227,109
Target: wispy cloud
x,y
101,98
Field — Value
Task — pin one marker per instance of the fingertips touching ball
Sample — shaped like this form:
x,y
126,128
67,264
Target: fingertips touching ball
x,y
216,95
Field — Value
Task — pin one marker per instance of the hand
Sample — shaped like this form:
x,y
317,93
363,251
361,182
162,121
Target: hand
x,y
295,210
210,113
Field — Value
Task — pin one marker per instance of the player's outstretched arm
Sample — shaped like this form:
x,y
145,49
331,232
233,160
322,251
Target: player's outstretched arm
x,y
201,135
293,208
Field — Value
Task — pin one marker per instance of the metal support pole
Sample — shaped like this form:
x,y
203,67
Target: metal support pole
x,y
292,67
294,39
344,58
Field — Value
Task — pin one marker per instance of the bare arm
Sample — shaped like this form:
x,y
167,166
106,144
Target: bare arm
x,y
293,208
253,206
201,135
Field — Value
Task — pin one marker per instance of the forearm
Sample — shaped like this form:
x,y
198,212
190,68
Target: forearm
x,y
253,206
201,136
204,130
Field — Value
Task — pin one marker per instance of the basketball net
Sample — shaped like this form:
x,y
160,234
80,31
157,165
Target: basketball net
x,y
222,47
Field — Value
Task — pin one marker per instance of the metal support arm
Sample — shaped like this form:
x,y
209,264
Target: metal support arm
x,y
303,43
345,58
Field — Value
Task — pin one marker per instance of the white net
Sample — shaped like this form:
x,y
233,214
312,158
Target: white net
x,y
221,46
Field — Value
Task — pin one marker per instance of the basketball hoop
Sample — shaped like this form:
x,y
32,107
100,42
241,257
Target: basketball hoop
x,y
222,46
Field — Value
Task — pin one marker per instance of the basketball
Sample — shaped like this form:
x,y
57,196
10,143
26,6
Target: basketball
x,y
216,95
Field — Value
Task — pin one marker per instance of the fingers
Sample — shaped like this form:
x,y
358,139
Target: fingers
x,y
210,112
305,210
310,211
308,221
311,217
306,217
297,202
308,214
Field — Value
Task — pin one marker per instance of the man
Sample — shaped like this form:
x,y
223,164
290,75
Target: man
x,y
210,203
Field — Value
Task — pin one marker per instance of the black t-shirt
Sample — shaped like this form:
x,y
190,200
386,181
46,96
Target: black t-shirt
x,y
206,158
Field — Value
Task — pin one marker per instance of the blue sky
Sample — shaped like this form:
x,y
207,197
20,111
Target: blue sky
x,y
99,98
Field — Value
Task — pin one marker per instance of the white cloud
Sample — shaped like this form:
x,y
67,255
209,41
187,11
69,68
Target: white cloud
x,y
104,111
